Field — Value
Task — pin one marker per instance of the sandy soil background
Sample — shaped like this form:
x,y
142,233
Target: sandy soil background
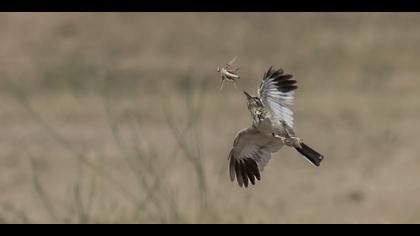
x,y
118,118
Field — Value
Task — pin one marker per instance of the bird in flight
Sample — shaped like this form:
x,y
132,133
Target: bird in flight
x,y
272,128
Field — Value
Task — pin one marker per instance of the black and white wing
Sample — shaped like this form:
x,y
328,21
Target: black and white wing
x,y
250,153
277,94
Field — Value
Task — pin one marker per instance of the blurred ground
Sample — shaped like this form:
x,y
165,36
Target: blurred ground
x,y
94,114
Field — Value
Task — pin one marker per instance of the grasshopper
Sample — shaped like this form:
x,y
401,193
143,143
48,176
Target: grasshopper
x,y
228,74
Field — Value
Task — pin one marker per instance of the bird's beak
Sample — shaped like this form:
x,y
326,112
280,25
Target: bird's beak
x,y
247,95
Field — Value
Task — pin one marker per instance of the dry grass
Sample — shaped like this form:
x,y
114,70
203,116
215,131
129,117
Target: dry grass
x,y
117,118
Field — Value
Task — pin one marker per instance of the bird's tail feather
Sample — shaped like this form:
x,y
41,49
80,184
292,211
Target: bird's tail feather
x,y
311,155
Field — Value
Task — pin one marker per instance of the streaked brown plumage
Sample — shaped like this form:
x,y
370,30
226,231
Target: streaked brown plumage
x,y
272,127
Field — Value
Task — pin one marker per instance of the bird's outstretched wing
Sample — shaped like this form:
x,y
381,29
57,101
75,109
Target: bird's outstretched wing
x,y
250,153
277,93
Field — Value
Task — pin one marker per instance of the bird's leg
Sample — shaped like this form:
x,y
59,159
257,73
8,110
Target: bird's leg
x,y
282,138
293,141
289,140
221,83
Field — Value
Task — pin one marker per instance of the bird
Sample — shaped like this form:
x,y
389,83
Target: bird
x,y
271,129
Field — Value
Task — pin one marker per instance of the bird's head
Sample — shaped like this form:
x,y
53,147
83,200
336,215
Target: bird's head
x,y
253,102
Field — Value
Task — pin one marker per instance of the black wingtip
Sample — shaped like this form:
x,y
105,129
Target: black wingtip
x,y
245,171
283,82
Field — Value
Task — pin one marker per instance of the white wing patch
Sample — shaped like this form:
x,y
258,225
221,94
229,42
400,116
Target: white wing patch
x,y
277,94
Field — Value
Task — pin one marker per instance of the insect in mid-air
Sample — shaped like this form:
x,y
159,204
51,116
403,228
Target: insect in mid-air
x,y
228,74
